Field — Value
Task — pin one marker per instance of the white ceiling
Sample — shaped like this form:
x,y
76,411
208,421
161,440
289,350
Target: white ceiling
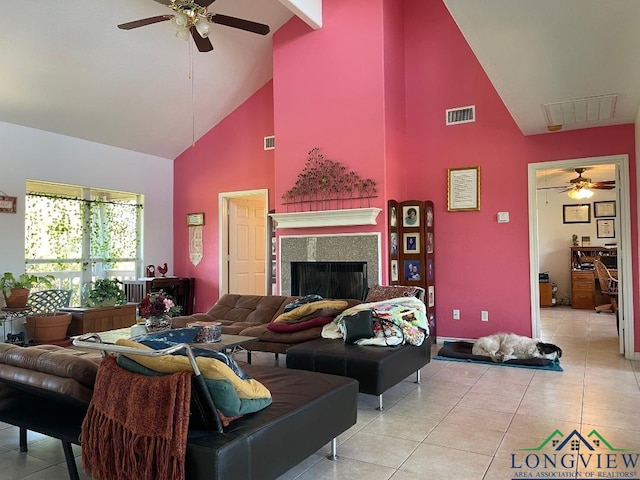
x,y
67,69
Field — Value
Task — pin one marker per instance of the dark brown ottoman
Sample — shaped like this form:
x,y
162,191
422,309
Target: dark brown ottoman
x,y
376,368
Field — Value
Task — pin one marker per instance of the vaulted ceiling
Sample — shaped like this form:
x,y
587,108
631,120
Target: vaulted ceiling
x,y
67,69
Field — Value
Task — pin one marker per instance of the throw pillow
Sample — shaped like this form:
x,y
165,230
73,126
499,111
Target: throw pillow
x,y
231,394
378,293
310,308
286,327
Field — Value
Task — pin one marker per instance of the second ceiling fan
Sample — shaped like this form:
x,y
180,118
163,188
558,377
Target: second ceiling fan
x,y
581,187
192,17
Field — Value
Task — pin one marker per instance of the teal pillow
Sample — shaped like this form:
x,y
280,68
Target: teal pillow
x,y
222,392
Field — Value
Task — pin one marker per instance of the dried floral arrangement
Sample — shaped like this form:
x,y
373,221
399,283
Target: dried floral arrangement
x,y
325,184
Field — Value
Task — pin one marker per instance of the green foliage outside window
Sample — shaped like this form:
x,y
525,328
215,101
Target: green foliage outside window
x,y
81,234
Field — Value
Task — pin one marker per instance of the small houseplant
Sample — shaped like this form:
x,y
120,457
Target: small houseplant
x,y
16,289
106,292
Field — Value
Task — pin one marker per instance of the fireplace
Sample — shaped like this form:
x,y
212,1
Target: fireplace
x,y
329,279
362,249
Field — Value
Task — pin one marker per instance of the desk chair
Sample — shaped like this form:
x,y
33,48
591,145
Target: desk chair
x,y
608,287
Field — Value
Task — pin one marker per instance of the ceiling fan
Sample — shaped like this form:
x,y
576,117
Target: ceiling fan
x,y
192,17
582,187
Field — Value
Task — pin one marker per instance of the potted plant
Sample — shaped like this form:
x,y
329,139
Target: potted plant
x,y
47,327
16,289
106,292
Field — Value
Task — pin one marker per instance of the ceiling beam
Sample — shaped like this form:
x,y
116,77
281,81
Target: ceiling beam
x,y
308,10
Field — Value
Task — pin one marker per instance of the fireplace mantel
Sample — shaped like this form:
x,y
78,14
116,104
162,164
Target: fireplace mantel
x,y
327,218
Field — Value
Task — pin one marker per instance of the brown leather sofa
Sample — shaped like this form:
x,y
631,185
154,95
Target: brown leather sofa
x,y
47,389
249,315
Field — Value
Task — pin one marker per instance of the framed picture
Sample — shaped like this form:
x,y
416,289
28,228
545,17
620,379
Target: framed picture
x,y
606,228
411,243
273,246
604,209
576,213
429,242
394,270
430,269
412,269
432,295
429,215
393,217
8,204
463,189
394,243
411,216
274,269
195,219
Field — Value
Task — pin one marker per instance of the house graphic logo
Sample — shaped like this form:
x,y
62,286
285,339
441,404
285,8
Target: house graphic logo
x,y
573,456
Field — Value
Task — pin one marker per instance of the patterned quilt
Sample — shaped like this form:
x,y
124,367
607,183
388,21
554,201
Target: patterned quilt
x,y
403,320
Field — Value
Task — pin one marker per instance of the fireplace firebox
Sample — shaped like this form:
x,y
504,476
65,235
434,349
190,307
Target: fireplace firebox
x,y
329,279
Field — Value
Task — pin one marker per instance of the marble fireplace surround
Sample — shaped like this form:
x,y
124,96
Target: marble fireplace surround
x,y
351,247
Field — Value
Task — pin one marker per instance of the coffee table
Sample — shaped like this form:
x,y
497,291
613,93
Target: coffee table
x,y
226,344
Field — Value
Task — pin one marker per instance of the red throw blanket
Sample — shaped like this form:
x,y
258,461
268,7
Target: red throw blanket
x,y
136,425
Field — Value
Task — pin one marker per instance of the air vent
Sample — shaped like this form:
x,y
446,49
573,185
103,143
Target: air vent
x,y
270,142
588,109
461,115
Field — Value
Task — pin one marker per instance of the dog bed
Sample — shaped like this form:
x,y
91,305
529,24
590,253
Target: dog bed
x,y
461,352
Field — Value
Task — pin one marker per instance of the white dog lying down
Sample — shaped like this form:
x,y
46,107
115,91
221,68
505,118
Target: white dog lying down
x,y
508,346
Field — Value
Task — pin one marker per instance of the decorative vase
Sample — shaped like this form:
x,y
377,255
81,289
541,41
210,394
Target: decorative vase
x,y
157,324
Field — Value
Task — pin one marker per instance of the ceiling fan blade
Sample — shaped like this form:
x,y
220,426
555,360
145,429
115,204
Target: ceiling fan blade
x,y
144,21
234,22
203,44
604,187
202,3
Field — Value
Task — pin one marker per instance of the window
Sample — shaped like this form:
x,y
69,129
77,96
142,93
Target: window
x,y
78,234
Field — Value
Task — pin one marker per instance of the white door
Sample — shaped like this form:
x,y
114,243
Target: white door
x,y
247,247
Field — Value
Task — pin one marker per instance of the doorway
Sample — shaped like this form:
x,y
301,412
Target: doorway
x,y
622,225
243,242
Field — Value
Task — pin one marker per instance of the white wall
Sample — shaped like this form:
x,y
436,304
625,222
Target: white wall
x,y
26,153
555,236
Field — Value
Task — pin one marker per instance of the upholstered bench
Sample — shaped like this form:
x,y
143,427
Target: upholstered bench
x,y
376,368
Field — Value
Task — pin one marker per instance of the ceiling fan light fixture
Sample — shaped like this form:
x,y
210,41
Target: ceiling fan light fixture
x,y
203,28
180,21
581,193
182,33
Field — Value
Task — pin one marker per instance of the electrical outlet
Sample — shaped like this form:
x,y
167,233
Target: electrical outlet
x,y
484,316
456,314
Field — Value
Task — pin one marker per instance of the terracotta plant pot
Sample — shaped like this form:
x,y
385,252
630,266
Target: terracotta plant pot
x,y
48,328
18,298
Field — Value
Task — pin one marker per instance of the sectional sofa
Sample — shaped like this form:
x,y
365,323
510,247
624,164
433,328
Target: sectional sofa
x,y
47,389
250,315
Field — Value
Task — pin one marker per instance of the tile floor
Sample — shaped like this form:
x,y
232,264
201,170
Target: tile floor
x,y
465,421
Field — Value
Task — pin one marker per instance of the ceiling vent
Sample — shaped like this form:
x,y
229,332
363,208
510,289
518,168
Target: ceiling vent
x,y
270,142
461,115
588,109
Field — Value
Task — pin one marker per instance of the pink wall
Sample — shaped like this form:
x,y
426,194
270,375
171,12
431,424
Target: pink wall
x,y
228,158
332,89
481,265
328,92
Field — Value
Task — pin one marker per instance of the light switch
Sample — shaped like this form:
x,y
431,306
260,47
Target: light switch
x,y
503,217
